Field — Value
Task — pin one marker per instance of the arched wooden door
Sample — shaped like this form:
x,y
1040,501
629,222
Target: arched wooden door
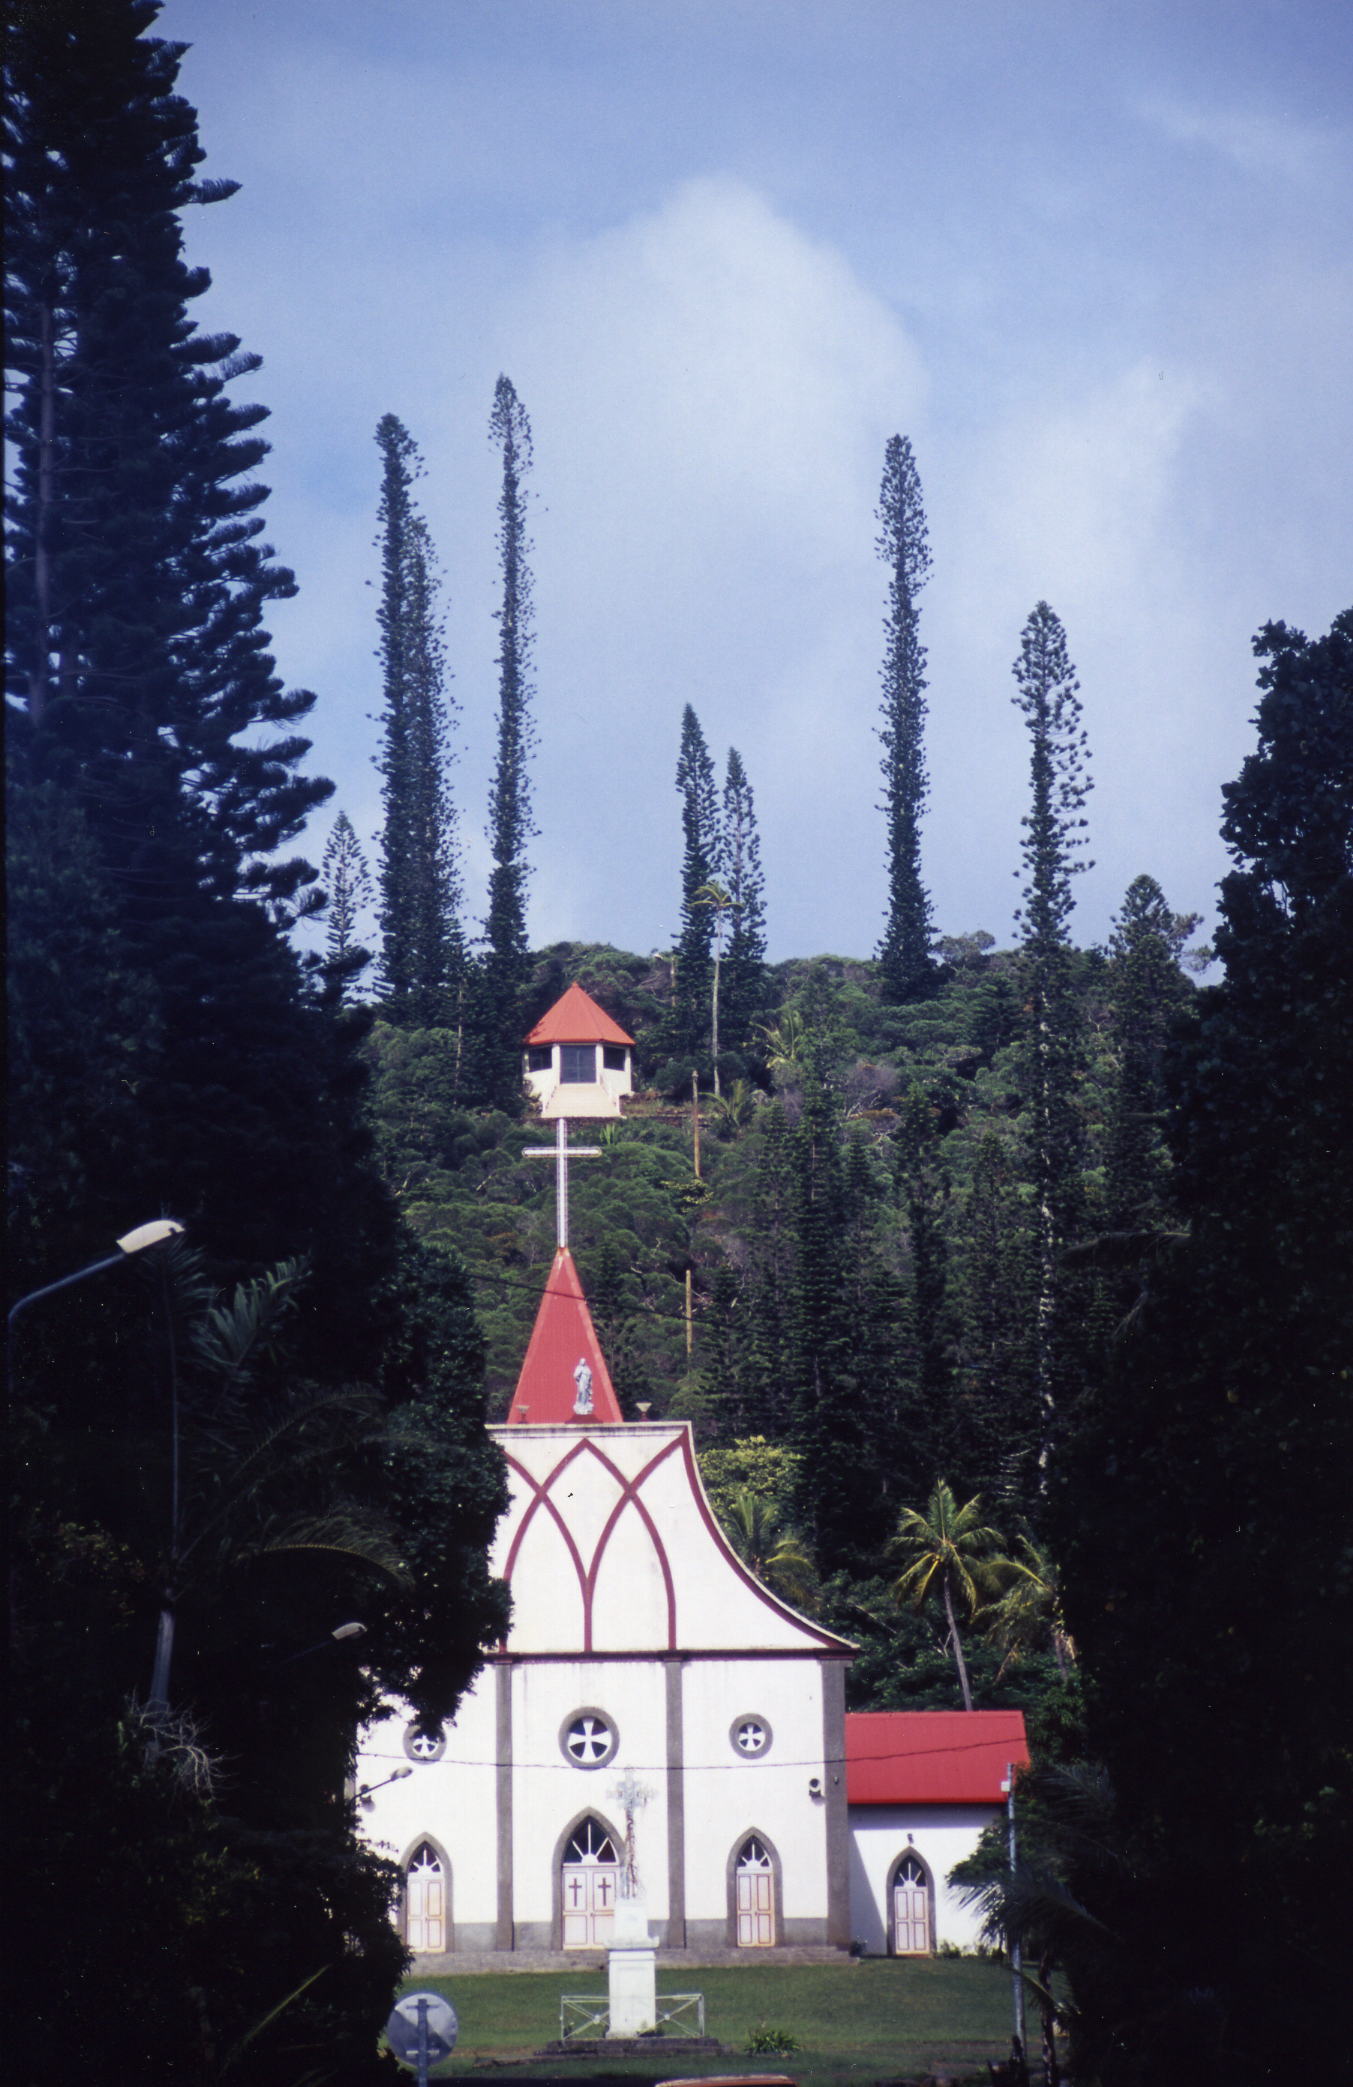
x,y
425,1900
911,1908
588,1878
754,1884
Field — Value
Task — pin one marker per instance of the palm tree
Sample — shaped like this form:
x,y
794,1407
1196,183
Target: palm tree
x,y
1029,1609
786,1047
949,1553
769,1545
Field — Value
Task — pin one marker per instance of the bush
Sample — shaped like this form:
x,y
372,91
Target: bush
x,y
766,2041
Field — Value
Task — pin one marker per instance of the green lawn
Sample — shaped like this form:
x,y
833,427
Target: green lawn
x,y
861,2022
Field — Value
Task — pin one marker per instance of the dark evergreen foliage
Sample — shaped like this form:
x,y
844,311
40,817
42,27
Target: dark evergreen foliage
x,y
1052,1053
169,1051
744,984
136,576
347,881
906,956
506,965
1147,993
1201,1503
701,863
422,966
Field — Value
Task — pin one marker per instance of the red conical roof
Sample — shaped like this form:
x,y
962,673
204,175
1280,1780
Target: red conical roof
x,y
563,1336
576,1018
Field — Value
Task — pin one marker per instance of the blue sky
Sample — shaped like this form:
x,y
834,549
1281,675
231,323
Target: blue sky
x,y
1095,260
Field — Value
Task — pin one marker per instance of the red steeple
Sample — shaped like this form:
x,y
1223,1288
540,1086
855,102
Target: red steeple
x,y
548,1390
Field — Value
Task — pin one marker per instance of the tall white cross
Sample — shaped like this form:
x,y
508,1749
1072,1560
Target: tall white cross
x,y
561,1152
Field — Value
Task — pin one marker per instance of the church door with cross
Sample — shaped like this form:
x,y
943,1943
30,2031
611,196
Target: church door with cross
x,y
425,1901
754,1879
589,1876
911,1908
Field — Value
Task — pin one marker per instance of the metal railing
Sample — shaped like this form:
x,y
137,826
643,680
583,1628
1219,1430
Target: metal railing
x,y
587,2016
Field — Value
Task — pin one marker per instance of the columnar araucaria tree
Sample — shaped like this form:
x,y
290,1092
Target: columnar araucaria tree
x,y
510,827
1054,837
905,959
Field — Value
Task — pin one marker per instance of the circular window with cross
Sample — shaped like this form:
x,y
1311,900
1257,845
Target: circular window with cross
x,y
750,1735
588,1739
424,1746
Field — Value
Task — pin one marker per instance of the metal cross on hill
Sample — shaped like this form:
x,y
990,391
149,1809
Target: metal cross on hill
x,y
561,1152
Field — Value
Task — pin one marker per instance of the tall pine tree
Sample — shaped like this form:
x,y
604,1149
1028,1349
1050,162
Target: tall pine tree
x,y
1052,1048
743,992
348,883
701,864
136,578
905,953
506,967
170,1051
1202,1499
1147,993
422,945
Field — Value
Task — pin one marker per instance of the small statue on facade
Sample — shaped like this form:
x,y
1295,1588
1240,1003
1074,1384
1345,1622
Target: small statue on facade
x,y
582,1378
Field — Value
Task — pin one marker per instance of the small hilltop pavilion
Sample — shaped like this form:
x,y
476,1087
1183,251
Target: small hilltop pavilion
x,y
659,1732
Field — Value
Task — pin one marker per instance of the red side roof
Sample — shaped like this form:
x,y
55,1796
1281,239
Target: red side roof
x,y
576,1018
932,1756
563,1336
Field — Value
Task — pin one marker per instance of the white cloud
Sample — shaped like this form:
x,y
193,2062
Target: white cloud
x,y
1258,141
711,391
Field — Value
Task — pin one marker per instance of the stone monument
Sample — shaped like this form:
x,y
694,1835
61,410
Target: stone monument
x,y
631,1960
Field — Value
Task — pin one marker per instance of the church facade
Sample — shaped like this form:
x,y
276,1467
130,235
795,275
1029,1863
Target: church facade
x,y
648,1672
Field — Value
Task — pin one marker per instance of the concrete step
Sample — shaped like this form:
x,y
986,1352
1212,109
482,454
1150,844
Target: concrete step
x,y
590,1964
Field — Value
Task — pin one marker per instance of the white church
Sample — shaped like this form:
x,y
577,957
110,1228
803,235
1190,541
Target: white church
x,y
648,1671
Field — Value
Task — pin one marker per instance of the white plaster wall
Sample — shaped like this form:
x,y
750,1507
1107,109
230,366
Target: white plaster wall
x,y
941,1835
716,1606
729,1796
450,1801
549,1791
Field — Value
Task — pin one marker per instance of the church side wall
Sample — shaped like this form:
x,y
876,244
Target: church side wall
x,y
880,1834
448,1801
730,1794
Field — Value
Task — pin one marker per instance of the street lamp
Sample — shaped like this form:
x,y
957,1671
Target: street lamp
x,y
364,1790
1016,1955
153,1234
339,1636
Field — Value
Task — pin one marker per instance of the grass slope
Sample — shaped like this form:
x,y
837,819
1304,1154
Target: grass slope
x,y
875,2020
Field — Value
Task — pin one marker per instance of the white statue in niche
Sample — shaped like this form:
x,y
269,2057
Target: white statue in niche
x,y
582,1378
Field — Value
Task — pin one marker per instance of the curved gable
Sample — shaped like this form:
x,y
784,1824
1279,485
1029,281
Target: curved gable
x,y
648,1569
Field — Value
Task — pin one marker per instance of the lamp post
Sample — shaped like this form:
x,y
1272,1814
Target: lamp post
x,y
156,1233
340,1636
131,1243
1016,1955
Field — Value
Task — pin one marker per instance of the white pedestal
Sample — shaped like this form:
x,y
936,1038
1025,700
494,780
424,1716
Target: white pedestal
x,y
631,1971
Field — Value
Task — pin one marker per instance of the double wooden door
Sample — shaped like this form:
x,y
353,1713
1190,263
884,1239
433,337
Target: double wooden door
x,y
589,1876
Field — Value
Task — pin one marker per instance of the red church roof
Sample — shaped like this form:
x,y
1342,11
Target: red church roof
x,y
563,1336
576,1018
932,1756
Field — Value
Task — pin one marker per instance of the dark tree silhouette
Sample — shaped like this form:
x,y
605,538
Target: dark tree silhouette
x,y
905,954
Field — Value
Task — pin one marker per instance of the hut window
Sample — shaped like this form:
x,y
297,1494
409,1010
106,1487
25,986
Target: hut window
x,y
613,1057
578,1064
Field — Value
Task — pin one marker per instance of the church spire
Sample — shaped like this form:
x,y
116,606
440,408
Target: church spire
x,y
578,1064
